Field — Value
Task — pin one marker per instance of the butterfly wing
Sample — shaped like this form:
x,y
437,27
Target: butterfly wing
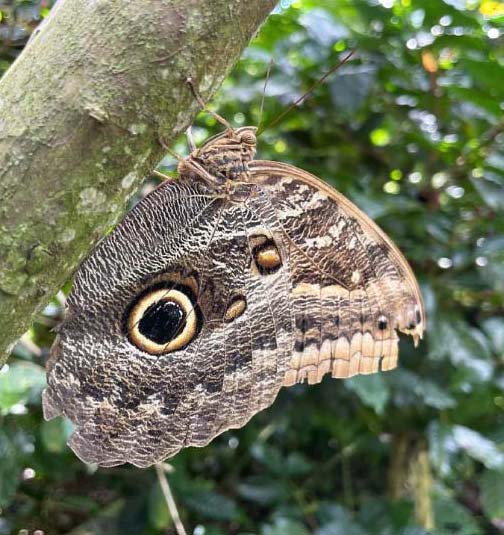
x,y
130,400
287,282
352,289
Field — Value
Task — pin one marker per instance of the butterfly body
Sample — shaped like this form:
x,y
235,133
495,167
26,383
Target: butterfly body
x,y
215,291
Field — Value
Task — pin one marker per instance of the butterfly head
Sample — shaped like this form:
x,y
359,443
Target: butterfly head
x,y
225,156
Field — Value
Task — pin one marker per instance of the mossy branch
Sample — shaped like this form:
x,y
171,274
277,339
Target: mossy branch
x,y
82,113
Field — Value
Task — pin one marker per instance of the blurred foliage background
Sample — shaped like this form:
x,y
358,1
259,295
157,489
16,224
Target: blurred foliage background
x,y
410,129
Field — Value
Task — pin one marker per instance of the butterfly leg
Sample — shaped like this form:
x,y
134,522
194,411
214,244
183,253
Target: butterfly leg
x,y
203,104
190,139
186,163
179,158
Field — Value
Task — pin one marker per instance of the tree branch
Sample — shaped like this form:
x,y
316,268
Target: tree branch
x,y
81,113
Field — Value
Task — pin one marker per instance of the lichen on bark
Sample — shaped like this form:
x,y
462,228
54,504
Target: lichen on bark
x,y
82,113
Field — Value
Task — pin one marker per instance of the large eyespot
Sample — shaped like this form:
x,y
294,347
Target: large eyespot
x,y
164,318
248,137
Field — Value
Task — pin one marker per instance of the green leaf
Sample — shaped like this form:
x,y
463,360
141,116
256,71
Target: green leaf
x,y
447,441
465,346
213,505
434,396
452,519
494,328
339,521
412,388
284,526
442,447
270,456
106,520
491,189
477,98
371,389
492,495
297,464
19,382
262,490
55,434
352,88
10,466
484,73
478,447
321,26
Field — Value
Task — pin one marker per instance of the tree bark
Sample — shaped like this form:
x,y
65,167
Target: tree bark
x,y
82,113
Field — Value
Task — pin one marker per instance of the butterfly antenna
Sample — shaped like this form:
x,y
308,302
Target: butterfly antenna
x,y
203,104
310,90
261,109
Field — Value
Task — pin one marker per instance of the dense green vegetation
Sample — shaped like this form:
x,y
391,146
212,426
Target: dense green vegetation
x,y
410,129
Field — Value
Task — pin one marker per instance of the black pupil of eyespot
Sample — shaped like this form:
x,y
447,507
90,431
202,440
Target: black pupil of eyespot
x,y
162,322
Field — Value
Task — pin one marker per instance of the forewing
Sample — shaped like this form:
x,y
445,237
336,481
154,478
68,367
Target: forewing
x,y
352,290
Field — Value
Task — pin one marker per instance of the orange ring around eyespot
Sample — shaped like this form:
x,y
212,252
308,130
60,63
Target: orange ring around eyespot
x,y
139,309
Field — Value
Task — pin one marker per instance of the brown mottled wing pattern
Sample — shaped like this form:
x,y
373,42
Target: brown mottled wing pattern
x,y
213,294
352,289
130,406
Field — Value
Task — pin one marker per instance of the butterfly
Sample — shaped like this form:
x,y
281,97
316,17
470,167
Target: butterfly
x,y
219,288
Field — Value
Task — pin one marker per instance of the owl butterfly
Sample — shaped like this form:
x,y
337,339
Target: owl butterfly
x,y
216,290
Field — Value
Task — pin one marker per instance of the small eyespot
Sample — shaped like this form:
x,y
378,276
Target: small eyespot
x,y
267,257
163,319
382,322
235,309
248,137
